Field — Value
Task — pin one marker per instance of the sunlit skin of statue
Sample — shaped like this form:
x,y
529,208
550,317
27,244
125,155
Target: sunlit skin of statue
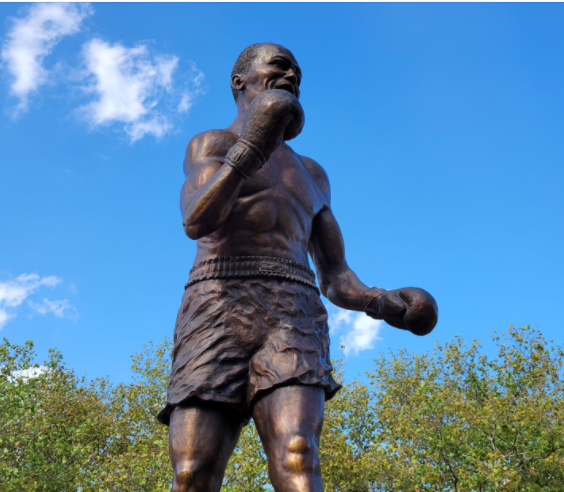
x,y
248,194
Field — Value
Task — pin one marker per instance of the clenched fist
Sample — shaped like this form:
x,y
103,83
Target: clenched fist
x,y
409,308
273,117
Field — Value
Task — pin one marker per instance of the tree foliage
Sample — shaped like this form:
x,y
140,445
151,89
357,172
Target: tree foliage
x,y
453,420
458,420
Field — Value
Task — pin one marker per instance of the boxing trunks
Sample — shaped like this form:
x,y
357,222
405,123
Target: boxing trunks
x,y
247,325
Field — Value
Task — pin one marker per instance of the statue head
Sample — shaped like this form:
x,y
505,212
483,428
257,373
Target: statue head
x,y
261,67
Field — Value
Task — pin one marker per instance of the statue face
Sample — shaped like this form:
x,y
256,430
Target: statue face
x,y
274,68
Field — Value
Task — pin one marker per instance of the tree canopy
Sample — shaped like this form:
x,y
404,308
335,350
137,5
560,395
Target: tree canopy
x,y
452,420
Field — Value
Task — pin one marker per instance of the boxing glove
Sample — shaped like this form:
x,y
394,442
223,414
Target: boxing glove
x,y
409,308
273,117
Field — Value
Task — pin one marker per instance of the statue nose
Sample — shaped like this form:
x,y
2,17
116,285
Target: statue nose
x,y
291,75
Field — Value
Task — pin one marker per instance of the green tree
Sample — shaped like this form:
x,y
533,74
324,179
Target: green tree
x,y
137,453
453,420
53,425
459,421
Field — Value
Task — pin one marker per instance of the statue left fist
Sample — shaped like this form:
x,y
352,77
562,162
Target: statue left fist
x,y
409,308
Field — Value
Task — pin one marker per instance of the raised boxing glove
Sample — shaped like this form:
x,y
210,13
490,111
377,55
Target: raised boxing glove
x,y
409,308
273,117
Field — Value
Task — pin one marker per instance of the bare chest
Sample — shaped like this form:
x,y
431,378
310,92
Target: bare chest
x,y
281,196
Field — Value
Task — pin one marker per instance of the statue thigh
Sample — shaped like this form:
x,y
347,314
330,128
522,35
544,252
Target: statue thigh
x,y
201,441
289,421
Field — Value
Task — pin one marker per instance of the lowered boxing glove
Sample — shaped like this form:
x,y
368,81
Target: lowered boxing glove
x,y
273,117
409,308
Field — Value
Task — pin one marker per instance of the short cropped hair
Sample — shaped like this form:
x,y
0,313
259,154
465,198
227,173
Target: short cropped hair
x,y
244,63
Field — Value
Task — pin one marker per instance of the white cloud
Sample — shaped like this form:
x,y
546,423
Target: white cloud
x,y
4,317
134,88
33,37
58,307
130,86
185,103
25,374
340,318
361,330
188,96
14,292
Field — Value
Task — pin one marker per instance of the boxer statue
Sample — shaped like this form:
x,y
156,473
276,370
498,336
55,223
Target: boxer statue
x,y
251,337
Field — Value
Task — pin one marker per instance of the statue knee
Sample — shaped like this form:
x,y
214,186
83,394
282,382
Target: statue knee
x,y
188,474
300,455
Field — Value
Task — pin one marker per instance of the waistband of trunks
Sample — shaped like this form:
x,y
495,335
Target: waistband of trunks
x,y
251,266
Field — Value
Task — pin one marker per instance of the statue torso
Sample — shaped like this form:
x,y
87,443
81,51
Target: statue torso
x,y
273,213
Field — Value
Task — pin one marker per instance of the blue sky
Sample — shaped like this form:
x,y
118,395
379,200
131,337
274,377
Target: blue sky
x,y
440,126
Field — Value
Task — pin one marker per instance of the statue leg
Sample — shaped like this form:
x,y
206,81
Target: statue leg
x,y
201,441
289,421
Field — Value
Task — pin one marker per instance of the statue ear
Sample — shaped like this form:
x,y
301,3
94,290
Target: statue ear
x,y
237,82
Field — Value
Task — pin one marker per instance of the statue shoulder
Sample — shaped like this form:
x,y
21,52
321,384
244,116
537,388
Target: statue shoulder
x,y
318,174
211,145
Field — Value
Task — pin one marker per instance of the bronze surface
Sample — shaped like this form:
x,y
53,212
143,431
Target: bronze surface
x,y
256,344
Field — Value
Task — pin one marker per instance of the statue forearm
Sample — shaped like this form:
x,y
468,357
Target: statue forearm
x,y
336,280
273,117
344,289
208,208
409,308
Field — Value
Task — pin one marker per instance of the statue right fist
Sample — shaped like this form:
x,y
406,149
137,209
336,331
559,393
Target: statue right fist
x,y
273,117
409,308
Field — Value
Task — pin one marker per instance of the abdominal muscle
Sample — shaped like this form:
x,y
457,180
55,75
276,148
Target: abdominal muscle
x,y
265,224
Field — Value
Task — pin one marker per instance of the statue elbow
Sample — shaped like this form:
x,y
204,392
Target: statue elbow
x,y
193,231
324,287
196,230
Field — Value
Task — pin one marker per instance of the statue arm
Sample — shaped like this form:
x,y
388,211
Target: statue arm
x,y
217,163
408,308
336,279
211,187
326,246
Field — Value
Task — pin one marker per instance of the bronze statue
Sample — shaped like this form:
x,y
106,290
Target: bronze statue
x,y
251,337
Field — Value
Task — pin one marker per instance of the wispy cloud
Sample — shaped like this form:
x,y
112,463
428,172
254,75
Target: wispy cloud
x,y
4,317
130,86
188,96
32,38
361,331
13,293
59,308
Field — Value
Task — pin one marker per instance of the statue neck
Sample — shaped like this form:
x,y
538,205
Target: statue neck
x,y
242,106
